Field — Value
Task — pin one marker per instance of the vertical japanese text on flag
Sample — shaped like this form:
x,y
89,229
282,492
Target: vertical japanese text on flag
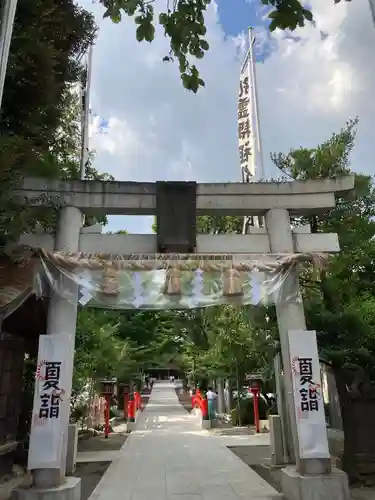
x,y
245,129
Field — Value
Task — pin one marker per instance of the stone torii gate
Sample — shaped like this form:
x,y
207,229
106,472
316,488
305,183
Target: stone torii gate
x,y
176,206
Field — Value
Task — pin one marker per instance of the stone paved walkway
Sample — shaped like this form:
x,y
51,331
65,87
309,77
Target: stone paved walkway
x,y
169,457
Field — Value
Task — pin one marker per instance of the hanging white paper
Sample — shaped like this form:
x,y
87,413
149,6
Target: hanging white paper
x,y
308,394
51,401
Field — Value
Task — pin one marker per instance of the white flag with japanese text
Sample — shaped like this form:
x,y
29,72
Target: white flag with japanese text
x,y
245,116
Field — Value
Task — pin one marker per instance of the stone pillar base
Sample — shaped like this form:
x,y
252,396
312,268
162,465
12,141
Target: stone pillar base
x,y
70,490
130,426
71,453
206,424
332,486
276,438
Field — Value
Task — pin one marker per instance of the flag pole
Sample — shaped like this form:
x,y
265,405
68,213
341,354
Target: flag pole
x,y
8,12
252,171
247,173
252,76
85,102
372,8
247,221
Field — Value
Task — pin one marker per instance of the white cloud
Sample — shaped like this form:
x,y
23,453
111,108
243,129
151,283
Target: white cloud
x,y
307,90
117,138
323,81
131,86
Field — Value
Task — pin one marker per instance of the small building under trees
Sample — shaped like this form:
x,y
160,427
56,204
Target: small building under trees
x,y
24,318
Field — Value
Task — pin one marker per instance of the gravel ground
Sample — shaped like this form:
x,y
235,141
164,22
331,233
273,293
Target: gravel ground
x,y
99,443
258,458
90,474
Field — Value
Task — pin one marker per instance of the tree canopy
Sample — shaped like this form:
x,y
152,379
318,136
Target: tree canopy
x,y
40,114
184,25
339,304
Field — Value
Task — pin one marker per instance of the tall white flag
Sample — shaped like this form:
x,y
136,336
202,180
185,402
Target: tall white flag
x,y
246,144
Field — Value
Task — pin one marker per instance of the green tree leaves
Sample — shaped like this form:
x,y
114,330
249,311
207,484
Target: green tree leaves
x,y
145,28
184,26
98,351
47,37
287,14
224,341
340,303
39,122
183,23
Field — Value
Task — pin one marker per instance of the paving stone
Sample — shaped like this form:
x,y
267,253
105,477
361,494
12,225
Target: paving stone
x,y
169,457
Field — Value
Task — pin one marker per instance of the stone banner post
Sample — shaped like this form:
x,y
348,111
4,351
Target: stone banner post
x,y
308,395
312,478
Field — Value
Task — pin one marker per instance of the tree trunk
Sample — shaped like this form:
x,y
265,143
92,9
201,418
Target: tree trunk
x,y
238,405
220,396
348,463
229,396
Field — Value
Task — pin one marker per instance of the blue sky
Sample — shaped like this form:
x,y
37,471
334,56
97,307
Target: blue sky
x,y
146,127
237,15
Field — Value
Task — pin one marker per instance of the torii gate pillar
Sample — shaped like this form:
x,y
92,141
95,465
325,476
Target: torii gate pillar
x,y
62,318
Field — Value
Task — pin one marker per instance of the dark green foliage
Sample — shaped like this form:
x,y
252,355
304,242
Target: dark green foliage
x,y
39,119
247,412
339,302
287,14
48,36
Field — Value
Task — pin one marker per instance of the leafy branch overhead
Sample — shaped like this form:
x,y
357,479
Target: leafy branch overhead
x,y
183,23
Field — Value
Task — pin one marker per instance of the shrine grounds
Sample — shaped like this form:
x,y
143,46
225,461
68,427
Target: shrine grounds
x,y
169,439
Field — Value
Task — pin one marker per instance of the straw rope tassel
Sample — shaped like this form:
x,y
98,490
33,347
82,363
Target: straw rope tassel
x,y
173,282
110,286
232,283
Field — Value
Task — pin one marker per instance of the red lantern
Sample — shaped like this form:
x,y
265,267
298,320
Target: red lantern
x,y
126,400
255,381
131,409
107,391
204,408
137,400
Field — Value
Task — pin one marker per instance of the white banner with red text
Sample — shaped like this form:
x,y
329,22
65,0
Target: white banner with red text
x,y
308,395
51,407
